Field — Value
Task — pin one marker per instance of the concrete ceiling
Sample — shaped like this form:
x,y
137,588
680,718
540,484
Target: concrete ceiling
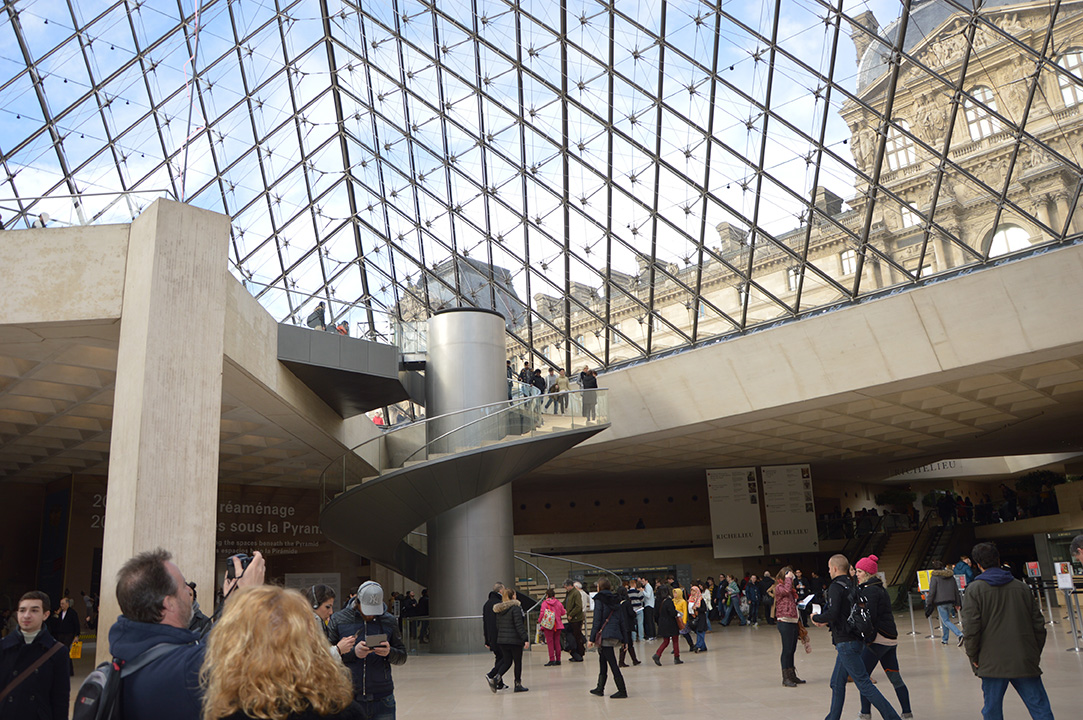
x,y
1034,407
56,407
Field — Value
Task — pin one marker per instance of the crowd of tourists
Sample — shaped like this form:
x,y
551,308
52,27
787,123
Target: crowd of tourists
x,y
284,654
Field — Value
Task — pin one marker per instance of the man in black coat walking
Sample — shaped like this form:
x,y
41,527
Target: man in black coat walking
x,y
488,620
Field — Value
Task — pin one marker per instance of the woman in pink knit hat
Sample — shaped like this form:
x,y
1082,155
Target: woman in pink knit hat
x,y
882,650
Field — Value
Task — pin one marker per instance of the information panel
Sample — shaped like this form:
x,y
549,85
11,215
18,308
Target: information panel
x,y
734,495
791,513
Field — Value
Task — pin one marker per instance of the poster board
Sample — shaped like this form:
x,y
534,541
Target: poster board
x,y
791,513
1064,576
1033,570
924,580
734,497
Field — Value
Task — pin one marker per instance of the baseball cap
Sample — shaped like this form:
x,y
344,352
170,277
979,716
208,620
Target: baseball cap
x,y
370,596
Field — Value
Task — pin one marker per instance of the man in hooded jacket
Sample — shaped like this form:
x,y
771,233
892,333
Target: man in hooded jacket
x,y
488,622
1005,634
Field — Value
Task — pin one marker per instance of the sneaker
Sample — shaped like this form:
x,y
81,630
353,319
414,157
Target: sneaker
x,y
619,694
600,692
492,683
657,660
960,641
908,716
864,716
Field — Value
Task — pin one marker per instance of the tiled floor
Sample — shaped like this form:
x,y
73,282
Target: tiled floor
x,y
738,678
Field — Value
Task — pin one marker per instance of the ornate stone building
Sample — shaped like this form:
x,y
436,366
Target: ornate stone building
x,y
965,86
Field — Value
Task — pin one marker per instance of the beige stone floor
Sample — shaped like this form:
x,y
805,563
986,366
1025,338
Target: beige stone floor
x,y
737,678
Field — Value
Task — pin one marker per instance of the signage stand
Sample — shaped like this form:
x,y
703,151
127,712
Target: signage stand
x,y
910,604
1071,617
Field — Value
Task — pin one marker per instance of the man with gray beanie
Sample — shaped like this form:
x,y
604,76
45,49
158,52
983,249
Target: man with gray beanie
x,y
379,646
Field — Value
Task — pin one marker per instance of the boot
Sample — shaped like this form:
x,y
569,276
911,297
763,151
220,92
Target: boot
x,y
599,691
519,688
620,693
793,676
787,680
677,660
657,660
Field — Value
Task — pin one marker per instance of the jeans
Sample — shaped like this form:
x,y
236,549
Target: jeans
x,y
1031,692
754,612
607,659
848,663
734,607
382,709
888,658
789,632
701,640
639,623
945,622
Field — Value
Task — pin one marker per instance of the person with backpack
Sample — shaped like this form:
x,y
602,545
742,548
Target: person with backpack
x,y
849,642
33,666
155,655
883,649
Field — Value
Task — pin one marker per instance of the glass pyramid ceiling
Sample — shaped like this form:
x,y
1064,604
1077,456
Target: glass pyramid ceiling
x,y
618,178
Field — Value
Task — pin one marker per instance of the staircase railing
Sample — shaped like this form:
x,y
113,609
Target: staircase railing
x,y
462,431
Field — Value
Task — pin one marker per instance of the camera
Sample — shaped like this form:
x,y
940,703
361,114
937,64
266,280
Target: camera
x,y
245,559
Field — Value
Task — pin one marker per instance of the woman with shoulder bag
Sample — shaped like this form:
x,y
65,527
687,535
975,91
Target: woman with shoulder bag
x,y
511,637
697,610
883,649
669,624
610,631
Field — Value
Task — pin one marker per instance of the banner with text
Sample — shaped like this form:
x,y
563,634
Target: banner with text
x,y
791,514
734,495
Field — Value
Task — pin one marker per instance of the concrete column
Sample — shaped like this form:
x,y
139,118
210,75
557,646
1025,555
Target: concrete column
x,y
471,546
163,454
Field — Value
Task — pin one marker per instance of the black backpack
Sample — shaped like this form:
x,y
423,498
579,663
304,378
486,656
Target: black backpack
x,y
98,697
859,620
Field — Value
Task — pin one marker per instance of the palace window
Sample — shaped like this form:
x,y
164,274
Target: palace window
x,y
1070,89
909,217
900,148
793,274
979,121
1009,238
848,262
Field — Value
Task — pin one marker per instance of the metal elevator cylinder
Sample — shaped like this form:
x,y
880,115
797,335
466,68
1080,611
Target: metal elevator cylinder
x,y
471,546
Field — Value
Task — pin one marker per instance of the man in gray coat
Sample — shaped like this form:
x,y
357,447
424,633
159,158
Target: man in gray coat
x,y
1005,634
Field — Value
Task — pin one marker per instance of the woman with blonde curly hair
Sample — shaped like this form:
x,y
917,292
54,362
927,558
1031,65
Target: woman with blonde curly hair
x,y
266,659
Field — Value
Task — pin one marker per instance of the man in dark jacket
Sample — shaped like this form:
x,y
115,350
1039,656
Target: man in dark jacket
x,y
1005,634
43,695
943,597
573,606
156,604
767,598
370,665
488,623
848,644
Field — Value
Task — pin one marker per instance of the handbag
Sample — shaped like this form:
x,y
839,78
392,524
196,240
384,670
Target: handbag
x,y
548,618
567,641
76,651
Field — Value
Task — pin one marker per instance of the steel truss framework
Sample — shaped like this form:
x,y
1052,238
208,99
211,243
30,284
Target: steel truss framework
x,y
594,150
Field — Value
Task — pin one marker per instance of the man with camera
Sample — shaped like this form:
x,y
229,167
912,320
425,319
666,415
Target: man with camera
x,y
379,646
156,604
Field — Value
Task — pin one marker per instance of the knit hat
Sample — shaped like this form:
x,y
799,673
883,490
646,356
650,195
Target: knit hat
x,y
868,564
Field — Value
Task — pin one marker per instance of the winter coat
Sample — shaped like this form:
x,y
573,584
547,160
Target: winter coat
x,y
785,599
168,687
609,620
699,616
558,610
943,589
510,625
488,619
837,610
1004,630
961,568
879,604
573,605
44,694
681,604
371,674
667,618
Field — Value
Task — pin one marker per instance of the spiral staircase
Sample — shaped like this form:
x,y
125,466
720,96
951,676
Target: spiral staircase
x,y
374,496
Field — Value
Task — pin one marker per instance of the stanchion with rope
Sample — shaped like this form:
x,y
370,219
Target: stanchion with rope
x,y
910,604
1071,617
